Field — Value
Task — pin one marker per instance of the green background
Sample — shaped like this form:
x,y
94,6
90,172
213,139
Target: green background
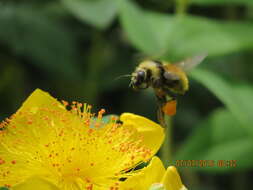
x,y
77,49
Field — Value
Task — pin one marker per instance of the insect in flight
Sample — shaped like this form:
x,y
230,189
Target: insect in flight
x,y
168,81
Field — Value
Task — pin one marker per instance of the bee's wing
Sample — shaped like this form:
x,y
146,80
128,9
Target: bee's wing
x,y
192,62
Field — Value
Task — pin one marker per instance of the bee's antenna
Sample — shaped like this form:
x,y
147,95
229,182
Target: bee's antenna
x,y
130,84
122,76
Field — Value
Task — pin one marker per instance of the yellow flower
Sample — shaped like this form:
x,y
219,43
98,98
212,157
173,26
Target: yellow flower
x,y
154,176
52,145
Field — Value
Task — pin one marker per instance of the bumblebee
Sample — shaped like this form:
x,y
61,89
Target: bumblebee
x,y
168,81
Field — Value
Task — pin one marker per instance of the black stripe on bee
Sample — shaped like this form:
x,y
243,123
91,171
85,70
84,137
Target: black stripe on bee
x,y
149,74
158,62
158,83
159,65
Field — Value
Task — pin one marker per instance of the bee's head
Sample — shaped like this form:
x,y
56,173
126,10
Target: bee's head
x,y
139,79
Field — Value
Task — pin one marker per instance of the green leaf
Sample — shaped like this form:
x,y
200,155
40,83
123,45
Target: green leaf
x,y
99,13
222,2
148,34
193,35
169,37
4,188
219,138
30,33
236,98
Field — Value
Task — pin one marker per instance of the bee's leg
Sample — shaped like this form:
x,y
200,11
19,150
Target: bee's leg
x,y
160,114
166,106
170,96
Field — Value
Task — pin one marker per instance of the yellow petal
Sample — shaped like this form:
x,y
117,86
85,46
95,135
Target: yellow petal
x,y
38,99
145,177
157,186
172,180
35,183
153,133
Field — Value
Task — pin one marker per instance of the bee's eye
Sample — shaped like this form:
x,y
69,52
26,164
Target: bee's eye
x,y
140,76
139,80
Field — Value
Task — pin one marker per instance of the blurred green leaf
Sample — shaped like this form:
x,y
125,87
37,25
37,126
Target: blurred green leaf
x,y
220,137
12,85
5,76
236,98
193,35
3,188
30,33
222,2
98,13
149,34
177,37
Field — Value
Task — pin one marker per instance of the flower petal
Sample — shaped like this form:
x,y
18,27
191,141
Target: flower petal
x,y
38,99
153,133
172,180
157,186
145,177
35,183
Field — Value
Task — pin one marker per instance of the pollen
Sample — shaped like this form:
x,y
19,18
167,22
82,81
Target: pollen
x,y
2,161
170,108
13,161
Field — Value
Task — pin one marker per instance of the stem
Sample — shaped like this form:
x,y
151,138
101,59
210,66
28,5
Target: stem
x,y
166,149
181,7
191,178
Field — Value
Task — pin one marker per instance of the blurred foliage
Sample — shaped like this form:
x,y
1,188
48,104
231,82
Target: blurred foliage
x,y
3,188
76,50
98,13
27,31
175,36
222,2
